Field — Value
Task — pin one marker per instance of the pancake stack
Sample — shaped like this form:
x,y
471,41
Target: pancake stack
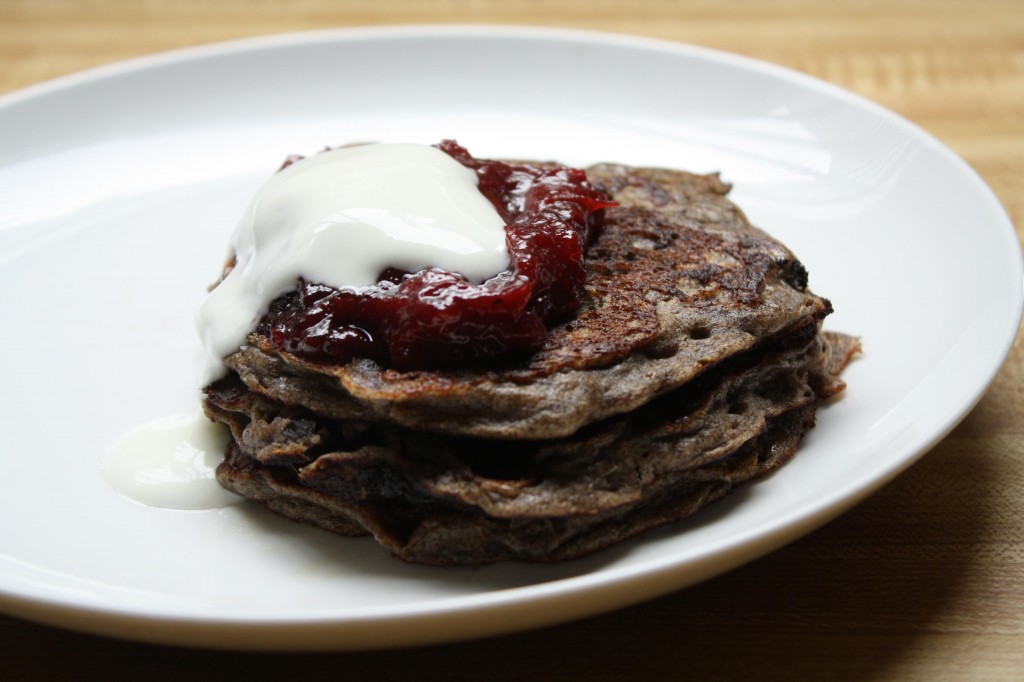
x,y
695,363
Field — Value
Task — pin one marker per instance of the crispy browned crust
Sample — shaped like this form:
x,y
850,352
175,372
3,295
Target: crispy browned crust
x,y
677,281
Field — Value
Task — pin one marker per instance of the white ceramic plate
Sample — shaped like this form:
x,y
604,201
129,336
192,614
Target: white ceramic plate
x,y
119,188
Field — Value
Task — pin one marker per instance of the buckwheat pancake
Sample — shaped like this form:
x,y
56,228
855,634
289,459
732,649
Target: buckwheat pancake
x,y
677,281
695,363
447,500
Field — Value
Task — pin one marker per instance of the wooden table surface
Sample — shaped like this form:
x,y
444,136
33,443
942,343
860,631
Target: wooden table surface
x,y
923,581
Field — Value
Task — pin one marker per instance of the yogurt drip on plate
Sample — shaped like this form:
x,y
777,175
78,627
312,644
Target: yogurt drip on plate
x,y
341,218
169,463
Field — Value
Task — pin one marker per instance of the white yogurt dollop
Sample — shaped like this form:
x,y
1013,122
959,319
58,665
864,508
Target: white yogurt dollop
x,y
340,218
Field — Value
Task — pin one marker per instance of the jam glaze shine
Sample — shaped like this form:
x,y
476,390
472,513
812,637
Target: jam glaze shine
x,y
436,319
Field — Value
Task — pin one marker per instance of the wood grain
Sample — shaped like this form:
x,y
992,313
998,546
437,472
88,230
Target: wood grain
x,y
923,581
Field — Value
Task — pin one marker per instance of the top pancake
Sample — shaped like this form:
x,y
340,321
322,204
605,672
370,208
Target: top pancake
x,y
677,281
